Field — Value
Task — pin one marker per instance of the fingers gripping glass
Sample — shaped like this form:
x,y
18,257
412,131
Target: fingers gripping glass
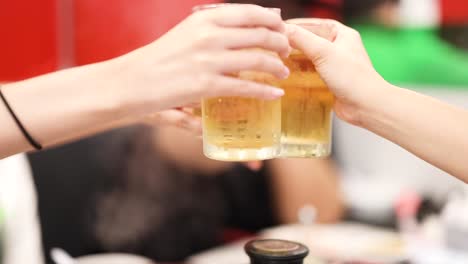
x,y
241,129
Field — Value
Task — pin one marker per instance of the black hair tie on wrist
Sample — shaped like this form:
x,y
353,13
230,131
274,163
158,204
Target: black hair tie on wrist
x,y
28,137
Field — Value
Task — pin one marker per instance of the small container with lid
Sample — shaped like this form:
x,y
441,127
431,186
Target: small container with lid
x,y
273,251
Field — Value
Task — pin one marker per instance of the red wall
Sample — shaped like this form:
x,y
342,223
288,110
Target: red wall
x,y
454,12
27,38
103,29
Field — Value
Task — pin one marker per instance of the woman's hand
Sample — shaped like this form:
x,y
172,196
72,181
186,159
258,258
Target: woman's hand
x,y
177,117
197,57
342,61
192,61
430,129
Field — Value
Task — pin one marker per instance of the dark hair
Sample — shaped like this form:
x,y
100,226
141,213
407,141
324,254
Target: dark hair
x,y
456,35
361,9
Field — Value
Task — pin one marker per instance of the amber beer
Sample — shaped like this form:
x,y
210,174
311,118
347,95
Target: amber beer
x,y
306,111
242,129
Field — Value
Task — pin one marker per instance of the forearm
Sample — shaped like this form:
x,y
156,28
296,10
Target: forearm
x,y
11,139
434,131
61,106
303,182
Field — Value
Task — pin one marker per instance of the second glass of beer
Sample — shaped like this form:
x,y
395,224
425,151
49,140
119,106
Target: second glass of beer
x,y
306,107
241,129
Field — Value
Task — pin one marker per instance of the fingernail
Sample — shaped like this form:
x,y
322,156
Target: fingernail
x,y
277,92
285,73
286,54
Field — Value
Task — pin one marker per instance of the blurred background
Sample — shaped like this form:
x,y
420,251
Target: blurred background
x,y
150,192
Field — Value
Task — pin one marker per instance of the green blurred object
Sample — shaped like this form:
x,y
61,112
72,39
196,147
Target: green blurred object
x,y
415,56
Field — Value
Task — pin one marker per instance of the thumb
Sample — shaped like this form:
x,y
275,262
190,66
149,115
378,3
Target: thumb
x,y
314,46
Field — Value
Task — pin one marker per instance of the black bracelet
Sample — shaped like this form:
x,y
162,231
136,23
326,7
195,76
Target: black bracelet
x,y
28,137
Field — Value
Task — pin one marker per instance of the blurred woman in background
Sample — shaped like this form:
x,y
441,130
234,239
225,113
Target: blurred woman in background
x,y
167,201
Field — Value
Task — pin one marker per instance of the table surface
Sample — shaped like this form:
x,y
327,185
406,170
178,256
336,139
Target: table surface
x,y
324,241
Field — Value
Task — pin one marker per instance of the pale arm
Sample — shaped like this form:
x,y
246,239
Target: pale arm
x,y
186,64
58,107
11,140
306,182
434,131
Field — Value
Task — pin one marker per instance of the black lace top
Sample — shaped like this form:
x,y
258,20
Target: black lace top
x,y
114,193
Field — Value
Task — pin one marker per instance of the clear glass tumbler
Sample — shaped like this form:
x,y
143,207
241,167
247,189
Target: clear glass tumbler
x,y
241,129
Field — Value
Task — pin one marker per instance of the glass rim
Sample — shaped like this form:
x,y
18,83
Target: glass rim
x,y
216,5
329,33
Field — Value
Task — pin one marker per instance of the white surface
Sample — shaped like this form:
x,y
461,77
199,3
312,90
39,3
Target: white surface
x,y
326,241
113,259
375,171
60,256
229,254
333,241
420,13
18,200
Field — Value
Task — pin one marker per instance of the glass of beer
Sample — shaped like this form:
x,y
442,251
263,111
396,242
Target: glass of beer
x,y
241,129
306,110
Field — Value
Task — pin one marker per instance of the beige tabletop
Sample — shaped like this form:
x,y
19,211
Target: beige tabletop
x,y
346,241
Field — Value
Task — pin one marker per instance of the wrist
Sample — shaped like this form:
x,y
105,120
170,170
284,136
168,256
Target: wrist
x,y
133,90
118,94
373,108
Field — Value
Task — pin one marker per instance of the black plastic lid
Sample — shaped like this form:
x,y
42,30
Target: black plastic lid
x,y
274,251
